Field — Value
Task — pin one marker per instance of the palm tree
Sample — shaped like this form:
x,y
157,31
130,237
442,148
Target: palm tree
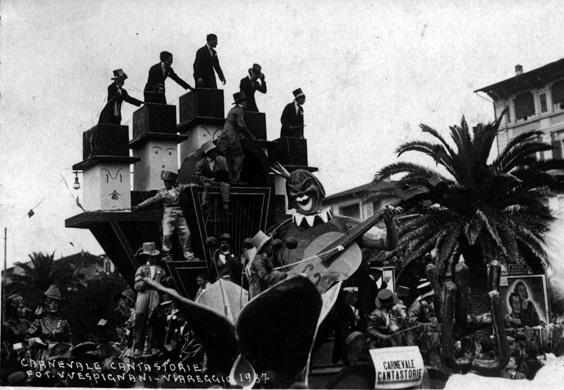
x,y
40,273
481,210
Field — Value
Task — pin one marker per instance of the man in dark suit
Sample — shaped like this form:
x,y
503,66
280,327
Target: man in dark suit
x,y
293,117
155,87
111,113
250,84
205,63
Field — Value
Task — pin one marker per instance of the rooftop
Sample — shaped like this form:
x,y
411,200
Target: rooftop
x,y
535,78
362,190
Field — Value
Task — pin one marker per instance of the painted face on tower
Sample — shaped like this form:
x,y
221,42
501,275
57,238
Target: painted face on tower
x,y
305,192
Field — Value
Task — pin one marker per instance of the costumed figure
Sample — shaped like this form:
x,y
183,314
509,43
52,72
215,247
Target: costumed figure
x,y
383,322
250,84
14,328
147,299
422,313
228,265
111,113
315,232
262,275
173,217
155,87
49,329
205,63
292,118
528,311
212,170
228,143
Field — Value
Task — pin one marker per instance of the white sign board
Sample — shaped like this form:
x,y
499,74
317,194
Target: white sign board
x,y
397,367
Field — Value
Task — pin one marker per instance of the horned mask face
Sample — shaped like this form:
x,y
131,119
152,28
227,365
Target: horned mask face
x,y
305,192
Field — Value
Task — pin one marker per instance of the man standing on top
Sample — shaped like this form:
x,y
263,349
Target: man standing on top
x,y
155,87
205,63
250,84
111,113
228,143
293,117
173,217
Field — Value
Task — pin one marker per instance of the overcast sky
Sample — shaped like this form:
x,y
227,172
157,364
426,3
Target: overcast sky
x,y
372,71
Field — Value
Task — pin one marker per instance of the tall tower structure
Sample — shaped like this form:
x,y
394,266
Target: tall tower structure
x,y
105,167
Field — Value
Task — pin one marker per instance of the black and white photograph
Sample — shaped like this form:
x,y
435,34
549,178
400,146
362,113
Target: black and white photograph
x,y
269,194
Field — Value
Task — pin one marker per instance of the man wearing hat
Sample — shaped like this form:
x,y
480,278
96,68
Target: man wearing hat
x,y
227,265
228,143
173,217
147,299
382,322
293,117
155,87
262,273
422,312
211,170
250,84
111,113
205,63
422,309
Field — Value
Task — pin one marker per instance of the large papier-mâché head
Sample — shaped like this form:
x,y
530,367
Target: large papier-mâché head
x,y
305,192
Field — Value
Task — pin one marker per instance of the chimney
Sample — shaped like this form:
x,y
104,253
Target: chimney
x,y
518,70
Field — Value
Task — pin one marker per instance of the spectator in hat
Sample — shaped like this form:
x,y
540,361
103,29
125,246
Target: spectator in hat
x,y
155,87
205,63
15,325
382,323
147,299
262,273
227,264
228,143
50,328
111,113
173,217
212,170
293,117
252,83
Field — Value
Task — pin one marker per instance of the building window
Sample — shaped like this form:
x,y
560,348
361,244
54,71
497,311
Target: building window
x,y
542,99
558,95
508,114
557,146
524,106
352,211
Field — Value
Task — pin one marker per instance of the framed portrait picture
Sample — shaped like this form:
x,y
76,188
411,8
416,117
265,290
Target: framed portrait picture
x,y
525,297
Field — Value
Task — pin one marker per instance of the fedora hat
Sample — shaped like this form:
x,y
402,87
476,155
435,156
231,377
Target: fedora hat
x,y
149,248
225,237
298,93
239,97
260,239
208,146
169,176
386,298
119,74
53,292
424,289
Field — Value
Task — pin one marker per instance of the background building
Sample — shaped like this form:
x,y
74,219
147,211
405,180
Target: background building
x,y
535,101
